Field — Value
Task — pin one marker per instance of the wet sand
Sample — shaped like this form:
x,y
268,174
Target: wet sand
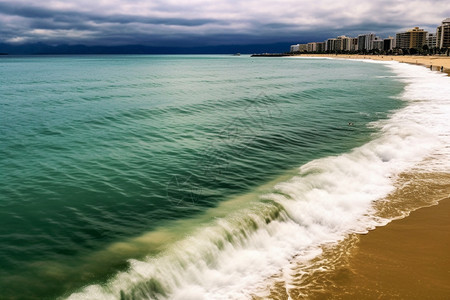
x,y
406,259
436,63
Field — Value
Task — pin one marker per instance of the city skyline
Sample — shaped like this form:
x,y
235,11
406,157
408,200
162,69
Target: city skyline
x,y
414,38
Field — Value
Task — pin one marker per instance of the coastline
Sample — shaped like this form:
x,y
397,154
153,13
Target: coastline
x,y
435,63
405,259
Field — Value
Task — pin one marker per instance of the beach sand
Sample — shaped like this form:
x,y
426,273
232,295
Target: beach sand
x,y
433,62
407,259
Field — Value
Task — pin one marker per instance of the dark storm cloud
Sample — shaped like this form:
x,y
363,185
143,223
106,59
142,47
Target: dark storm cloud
x,y
203,22
24,11
73,17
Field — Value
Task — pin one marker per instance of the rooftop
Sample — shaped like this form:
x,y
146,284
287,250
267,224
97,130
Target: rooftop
x,y
416,29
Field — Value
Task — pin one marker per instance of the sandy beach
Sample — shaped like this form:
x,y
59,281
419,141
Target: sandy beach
x,y
436,63
409,259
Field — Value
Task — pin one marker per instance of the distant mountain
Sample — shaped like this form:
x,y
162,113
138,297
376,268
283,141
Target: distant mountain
x,y
44,49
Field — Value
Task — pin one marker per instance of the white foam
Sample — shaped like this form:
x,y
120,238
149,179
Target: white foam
x,y
428,93
328,199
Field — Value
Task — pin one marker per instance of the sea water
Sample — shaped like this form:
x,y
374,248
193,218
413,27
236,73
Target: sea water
x,y
197,177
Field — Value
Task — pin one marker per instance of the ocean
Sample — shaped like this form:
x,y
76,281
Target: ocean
x,y
203,176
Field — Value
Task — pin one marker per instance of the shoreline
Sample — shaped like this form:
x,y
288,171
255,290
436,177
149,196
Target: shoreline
x,y
434,63
405,259
408,257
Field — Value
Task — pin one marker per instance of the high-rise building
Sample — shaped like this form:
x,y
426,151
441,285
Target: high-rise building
x,y
353,44
389,43
321,47
294,48
339,43
312,47
401,40
443,34
316,47
365,41
377,43
361,41
413,38
431,41
330,45
299,48
345,43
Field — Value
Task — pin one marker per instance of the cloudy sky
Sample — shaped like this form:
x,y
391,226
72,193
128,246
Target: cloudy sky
x,y
208,22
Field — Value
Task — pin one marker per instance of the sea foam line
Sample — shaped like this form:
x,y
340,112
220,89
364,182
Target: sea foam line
x,y
327,200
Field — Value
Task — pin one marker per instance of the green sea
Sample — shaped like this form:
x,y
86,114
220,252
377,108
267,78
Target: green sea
x,y
183,177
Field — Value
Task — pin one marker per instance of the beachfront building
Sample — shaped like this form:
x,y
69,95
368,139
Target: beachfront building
x,y
443,34
303,47
361,41
299,48
320,46
378,43
401,40
365,41
431,41
412,39
346,44
339,43
336,44
315,47
352,44
330,45
389,43
312,47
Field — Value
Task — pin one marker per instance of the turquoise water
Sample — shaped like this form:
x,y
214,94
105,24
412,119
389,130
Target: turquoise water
x,y
99,150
